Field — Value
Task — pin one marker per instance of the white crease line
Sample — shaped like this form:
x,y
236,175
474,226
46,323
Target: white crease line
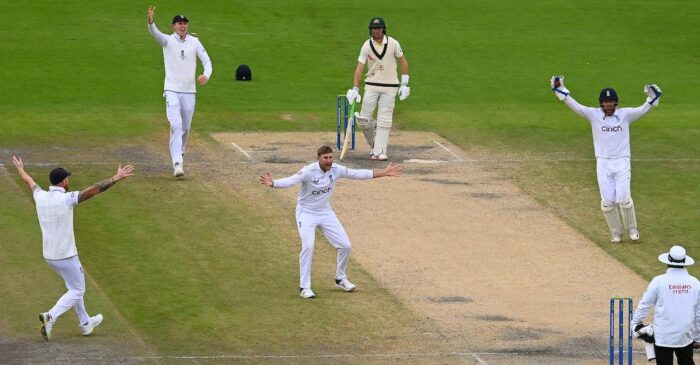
x,y
418,160
482,362
242,151
448,150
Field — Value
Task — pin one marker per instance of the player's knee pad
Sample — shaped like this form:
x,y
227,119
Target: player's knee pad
x,y
384,121
365,122
607,206
627,203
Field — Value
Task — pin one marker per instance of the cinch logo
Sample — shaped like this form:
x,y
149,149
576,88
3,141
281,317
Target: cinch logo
x,y
322,191
611,129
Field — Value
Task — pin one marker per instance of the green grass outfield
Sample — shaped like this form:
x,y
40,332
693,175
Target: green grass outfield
x,y
83,74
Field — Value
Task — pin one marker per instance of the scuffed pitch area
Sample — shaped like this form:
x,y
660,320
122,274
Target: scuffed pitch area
x,y
461,245
498,278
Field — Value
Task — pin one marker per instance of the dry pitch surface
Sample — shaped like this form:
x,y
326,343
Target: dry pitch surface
x,y
460,244
503,279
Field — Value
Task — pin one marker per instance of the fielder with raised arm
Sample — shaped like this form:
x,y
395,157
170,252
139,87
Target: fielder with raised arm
x,y
180,53
314,210
380,53
611,141
55,211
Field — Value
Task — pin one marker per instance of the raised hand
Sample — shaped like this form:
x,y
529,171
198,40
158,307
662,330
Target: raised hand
x,y
124,172
151,14
558,87
266,179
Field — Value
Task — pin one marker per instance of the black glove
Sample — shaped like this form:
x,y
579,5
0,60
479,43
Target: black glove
x,y
643,334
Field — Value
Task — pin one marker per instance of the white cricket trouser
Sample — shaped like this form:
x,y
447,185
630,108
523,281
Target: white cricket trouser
x,y
614,177
334,232
179,108
385,112
71,271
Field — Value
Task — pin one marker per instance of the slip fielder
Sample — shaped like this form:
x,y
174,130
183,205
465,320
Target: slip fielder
x,y
611,140
314,210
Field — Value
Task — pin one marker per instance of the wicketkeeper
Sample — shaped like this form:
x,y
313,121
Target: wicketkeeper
x,y
611,141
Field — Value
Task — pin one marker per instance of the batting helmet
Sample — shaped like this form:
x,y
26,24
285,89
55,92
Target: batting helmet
x,y
243,73
608,94
377,22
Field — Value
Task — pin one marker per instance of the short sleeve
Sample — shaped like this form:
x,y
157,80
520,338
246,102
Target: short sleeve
x,y
72,198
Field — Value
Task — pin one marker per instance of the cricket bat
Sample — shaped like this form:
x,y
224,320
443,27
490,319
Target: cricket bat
x,y
348,132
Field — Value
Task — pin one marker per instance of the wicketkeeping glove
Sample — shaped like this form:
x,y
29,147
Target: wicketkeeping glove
x,y
353,95
404,90
653,94
558,87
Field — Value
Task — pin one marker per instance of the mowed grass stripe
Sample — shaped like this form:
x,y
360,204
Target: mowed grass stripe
x,y
194,269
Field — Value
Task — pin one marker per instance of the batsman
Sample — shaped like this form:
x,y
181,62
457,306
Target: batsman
x,y
611,141
380,53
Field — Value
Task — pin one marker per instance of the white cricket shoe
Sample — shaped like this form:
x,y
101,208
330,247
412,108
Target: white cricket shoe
x,y
306,293
345,284
46,325
616,238
179,171
92,323
380,157
634,234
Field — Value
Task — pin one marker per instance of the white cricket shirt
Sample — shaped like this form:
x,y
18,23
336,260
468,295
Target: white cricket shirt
x,y
611,135
381,64
317,186
55,211
180,62
675,298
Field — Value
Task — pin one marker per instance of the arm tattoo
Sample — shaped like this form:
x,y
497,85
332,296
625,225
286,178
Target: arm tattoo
x,y
95,189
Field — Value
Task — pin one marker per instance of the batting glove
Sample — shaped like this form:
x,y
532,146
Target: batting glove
x,y
353,95
558,87
653,94
404,90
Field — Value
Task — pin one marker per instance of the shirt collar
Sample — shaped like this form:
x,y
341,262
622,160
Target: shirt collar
x,y
384,40
676,269
57,188
616,114
177,36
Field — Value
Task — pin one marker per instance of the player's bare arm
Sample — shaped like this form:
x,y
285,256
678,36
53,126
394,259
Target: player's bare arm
x,y
122,173
17,161
151,14
404,65
266,179
359,69
391,170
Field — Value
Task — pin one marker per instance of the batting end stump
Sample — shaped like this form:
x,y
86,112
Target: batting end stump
x,y
342,115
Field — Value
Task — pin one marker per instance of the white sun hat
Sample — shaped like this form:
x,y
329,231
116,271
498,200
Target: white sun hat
x,y
676,256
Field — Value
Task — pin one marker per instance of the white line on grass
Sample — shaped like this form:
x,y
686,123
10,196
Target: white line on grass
x,y
242,151
448,150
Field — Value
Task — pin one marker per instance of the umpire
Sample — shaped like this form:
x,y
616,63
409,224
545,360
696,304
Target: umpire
x,y
675,297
